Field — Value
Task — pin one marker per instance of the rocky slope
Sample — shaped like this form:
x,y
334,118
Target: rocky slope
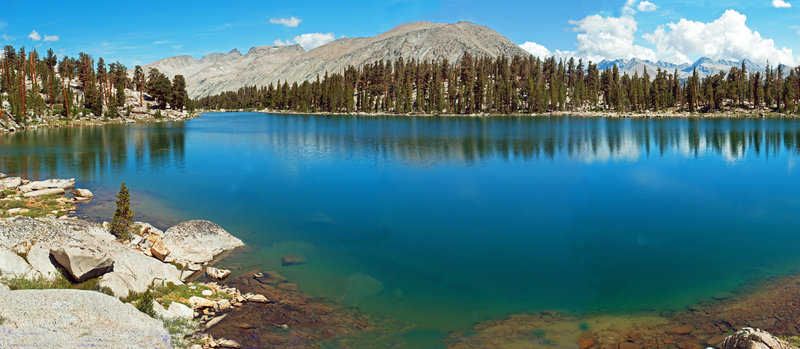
x,y
217,72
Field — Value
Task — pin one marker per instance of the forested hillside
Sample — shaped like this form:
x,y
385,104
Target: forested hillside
x,y
522,84
37,88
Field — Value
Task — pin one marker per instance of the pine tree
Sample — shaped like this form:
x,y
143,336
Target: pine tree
x,y
123,216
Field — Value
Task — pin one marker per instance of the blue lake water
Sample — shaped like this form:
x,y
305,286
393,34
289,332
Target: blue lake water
x,y
444,222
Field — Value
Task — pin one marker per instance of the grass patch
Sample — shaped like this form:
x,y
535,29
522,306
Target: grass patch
x,y
181,331
792,340
37,206
58,282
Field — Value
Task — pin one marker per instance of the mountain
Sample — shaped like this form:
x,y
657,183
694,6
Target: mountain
x,y
705,67
218,72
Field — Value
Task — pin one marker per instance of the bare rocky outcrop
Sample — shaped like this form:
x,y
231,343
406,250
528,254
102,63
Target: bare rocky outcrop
x,y
750,338
13,265
218,72
76,318
48,184
198,241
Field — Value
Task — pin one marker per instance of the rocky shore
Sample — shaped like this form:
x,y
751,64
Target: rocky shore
x,y
728,114
138,114
66,281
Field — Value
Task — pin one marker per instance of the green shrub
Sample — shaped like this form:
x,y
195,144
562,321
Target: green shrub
x,y
145,304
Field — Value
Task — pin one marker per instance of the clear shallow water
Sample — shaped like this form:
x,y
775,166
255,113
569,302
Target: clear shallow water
x,y
443,222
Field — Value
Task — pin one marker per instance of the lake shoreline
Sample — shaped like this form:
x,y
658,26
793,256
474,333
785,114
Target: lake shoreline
x,y
8,126
737,114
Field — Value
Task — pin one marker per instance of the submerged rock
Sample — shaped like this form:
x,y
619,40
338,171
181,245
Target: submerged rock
x,y
76,318
749,338
293,259
269,277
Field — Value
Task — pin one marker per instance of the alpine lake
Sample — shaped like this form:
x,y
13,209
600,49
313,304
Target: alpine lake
x,y
444,222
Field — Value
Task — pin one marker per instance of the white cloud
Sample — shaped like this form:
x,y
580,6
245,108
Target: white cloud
x,y
51,38
34,36
781,4
647,6
7,38
628,9
609,38
289,22
536,50
727,37
309,41
162,42
177,47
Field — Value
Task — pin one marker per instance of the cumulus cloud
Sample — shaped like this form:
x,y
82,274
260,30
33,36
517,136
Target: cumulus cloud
x,y
647,6
308,41
536,50
608,38
727,37
34,36
51,38
289,22
781,4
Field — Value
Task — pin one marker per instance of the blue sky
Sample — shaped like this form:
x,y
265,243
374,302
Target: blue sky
x,y
150,30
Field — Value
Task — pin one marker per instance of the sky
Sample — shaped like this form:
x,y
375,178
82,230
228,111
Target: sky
x,y
675,31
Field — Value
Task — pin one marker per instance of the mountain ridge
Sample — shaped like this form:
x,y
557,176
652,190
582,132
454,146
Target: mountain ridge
x,y
262,65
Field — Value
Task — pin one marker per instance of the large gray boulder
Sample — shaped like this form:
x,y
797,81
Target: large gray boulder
x,y
62,184
175,311
43,192
39,259
135,272
83,262
12,265
198,241
76,318
749,338
10,182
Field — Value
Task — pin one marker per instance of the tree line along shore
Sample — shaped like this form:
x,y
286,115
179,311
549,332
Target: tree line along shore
x,y
35,89
523,85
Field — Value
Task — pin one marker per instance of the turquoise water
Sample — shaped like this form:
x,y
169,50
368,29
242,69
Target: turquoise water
x,y
444,222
